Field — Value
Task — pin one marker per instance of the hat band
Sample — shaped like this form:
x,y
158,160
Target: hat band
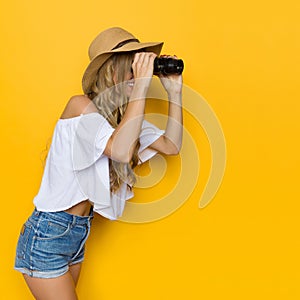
x,y
121,44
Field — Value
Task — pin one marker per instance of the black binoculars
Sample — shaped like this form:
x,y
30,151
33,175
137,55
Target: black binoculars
x,y
167,65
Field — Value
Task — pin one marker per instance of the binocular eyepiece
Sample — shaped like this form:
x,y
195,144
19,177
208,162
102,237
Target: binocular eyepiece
x,y
167,65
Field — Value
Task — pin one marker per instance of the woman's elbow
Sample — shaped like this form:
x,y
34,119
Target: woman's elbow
x,y
122,156
172,150
125,159
118,153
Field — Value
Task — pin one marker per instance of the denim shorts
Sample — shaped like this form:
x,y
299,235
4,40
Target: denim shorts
x,y
50,242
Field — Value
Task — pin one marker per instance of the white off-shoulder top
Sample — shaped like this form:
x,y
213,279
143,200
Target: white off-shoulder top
x,y
76,168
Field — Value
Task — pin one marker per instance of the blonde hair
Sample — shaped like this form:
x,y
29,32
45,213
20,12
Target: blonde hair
x,y
111,100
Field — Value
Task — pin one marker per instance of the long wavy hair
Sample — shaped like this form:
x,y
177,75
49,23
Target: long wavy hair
x,y
110,96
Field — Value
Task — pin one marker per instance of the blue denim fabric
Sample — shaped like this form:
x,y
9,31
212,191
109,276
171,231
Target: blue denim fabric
x,y
50,242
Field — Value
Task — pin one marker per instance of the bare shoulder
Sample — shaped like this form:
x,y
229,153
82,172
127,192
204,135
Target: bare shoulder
x,y
77,105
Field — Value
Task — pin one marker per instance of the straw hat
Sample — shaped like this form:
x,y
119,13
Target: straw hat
x,y
108,42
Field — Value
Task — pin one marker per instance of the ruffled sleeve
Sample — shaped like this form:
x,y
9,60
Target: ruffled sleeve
x,y
149,134
91,136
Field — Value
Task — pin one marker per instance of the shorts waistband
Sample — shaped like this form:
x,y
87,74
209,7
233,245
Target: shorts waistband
x,y
65,217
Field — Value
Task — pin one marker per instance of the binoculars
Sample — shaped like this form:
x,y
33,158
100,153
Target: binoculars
x,y
167,65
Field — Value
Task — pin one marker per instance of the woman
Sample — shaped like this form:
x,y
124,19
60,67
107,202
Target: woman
x,y
98,140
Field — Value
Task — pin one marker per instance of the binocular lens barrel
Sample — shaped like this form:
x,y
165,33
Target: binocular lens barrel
x,y
167,65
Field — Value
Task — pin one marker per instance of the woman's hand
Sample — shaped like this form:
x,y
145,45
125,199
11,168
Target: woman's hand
x,y
172,83
142,68
142,65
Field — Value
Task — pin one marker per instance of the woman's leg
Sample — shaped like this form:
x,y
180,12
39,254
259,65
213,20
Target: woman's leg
x,y
75,272
59,288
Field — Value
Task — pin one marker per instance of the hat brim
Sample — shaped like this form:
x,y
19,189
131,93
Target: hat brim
x,y
93,67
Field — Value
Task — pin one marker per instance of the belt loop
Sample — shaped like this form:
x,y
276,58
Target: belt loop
x,y
74,221
91,215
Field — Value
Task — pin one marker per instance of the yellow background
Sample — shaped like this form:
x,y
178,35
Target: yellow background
x,y
243,58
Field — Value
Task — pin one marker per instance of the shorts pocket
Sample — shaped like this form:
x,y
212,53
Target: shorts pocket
x,y
50,230
23,240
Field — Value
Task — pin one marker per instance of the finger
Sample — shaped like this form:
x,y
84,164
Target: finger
x,y
138,57
149,59
169,56
135,59
152,57
141,57
138,60
146,59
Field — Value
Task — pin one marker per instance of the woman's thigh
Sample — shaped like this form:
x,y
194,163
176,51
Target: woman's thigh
x,y
59,288
75,272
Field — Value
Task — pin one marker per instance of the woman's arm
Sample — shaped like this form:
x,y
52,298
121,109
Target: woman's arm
x,y
121,144
170,143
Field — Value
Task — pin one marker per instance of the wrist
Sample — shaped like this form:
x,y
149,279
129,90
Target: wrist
x,y
175,96
139,92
